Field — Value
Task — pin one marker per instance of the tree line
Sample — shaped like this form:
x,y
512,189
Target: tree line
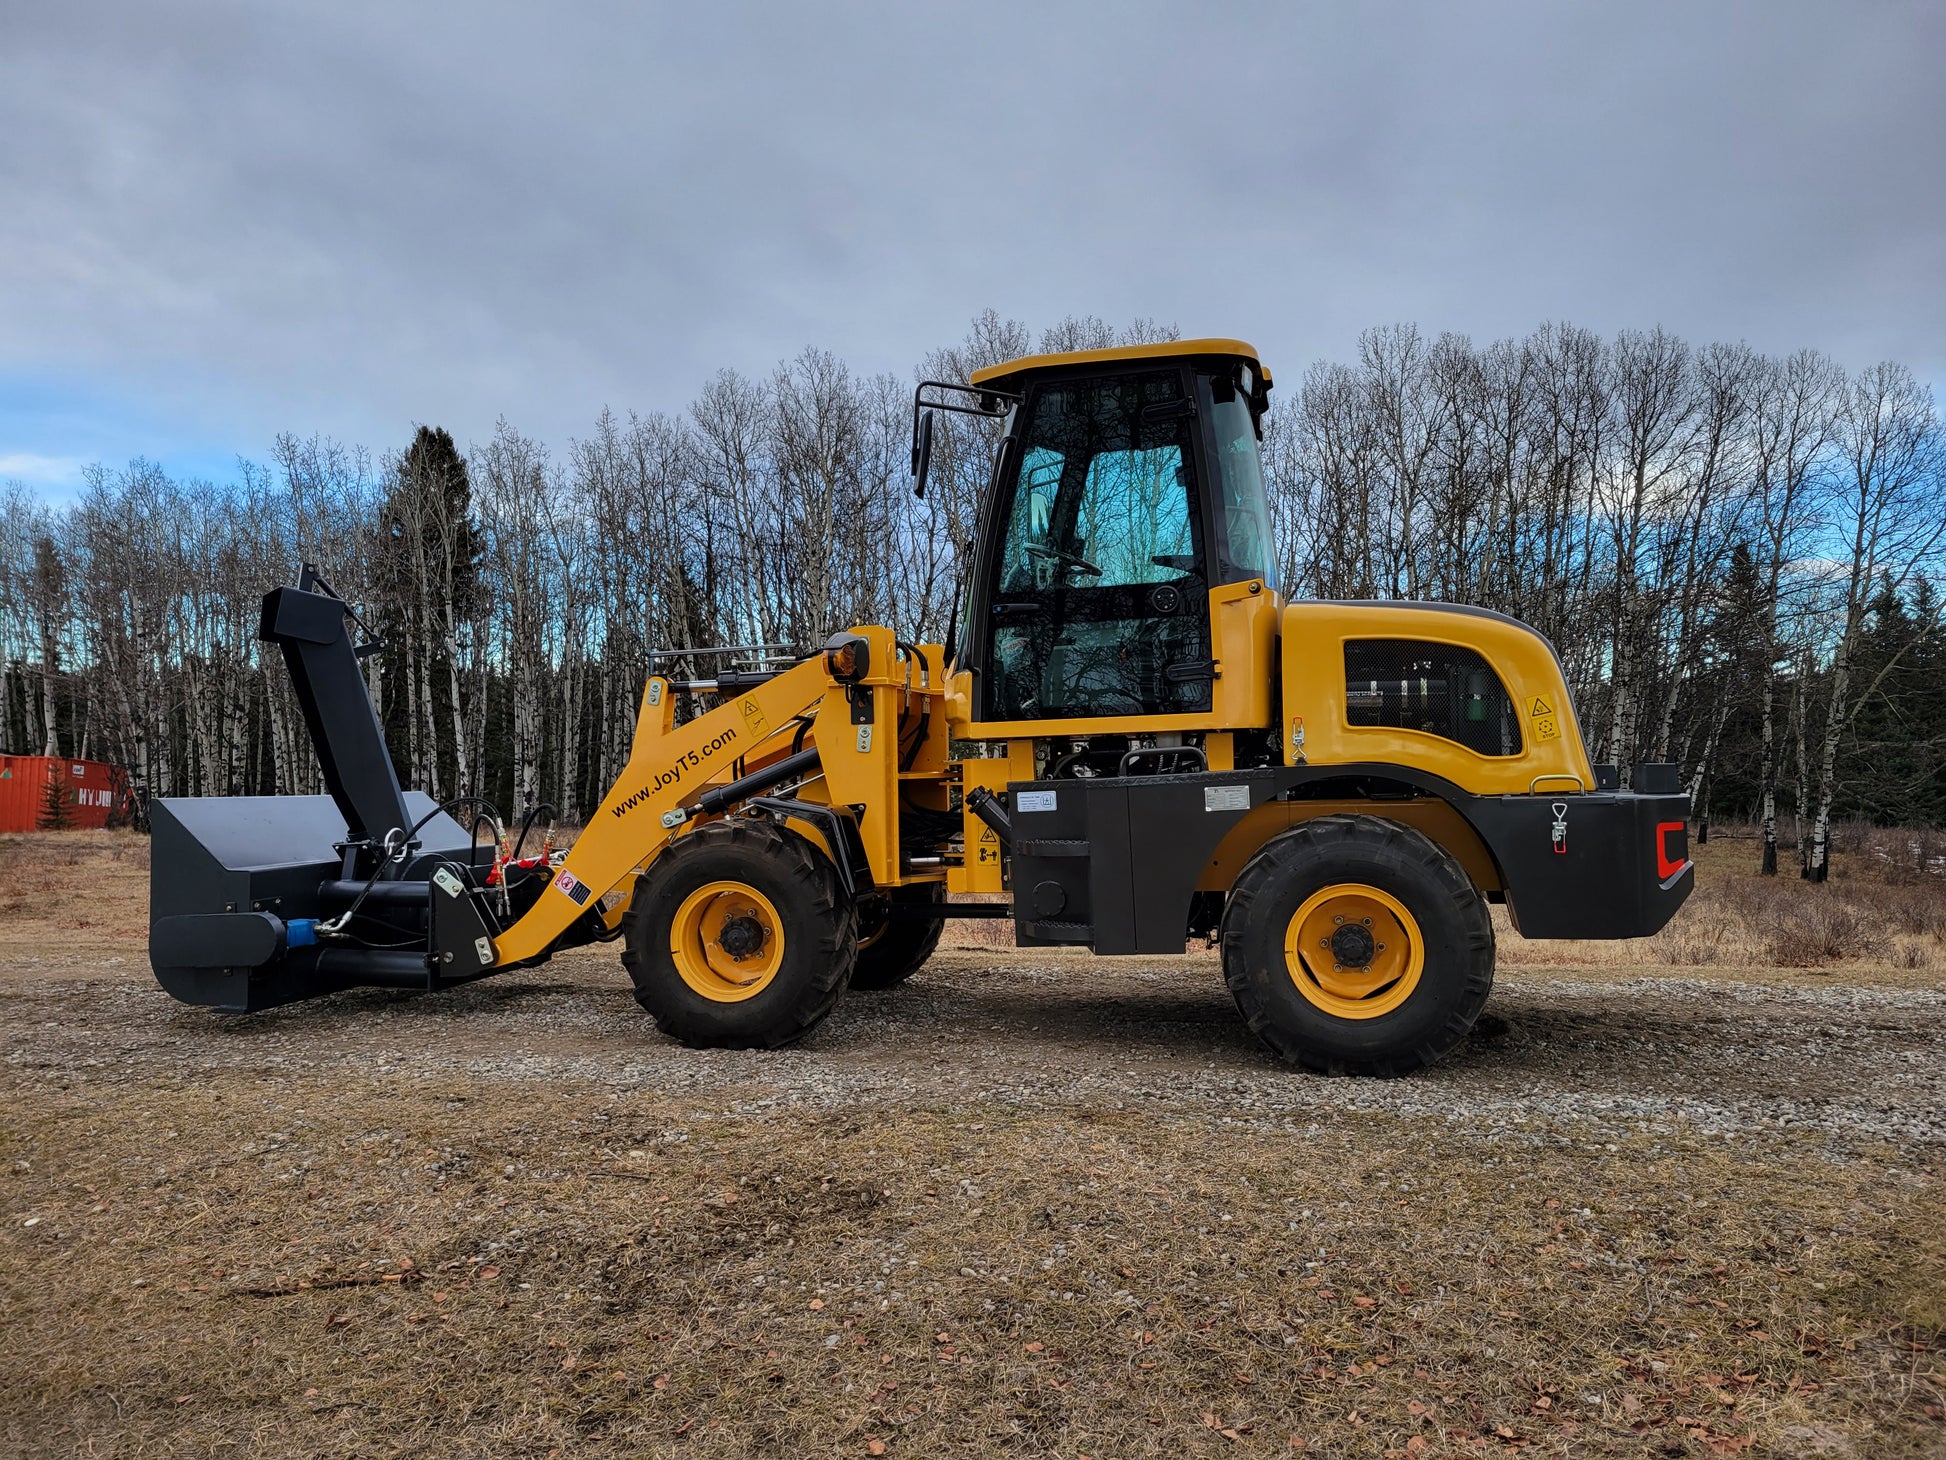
x,y
1734,554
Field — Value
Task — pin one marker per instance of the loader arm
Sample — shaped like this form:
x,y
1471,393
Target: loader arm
x,y
664,771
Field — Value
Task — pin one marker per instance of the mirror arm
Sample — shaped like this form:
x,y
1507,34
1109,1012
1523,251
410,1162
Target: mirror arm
x,y
989,403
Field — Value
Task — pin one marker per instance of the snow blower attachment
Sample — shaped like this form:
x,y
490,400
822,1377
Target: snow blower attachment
x,y
1134,741
262,900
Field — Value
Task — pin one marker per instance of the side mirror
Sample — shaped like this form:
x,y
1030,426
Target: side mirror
x,y
921,453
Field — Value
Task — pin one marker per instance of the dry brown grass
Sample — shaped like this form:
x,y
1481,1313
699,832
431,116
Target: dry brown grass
x,y
63,890
1876,912
221,1266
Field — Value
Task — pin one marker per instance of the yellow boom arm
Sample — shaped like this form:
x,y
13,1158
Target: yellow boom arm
x,y
664,771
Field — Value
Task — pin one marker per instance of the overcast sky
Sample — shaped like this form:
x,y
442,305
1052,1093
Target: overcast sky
x,y
222,221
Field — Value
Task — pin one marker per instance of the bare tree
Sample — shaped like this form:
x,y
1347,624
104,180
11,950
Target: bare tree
x,y
1715,541
1795,403
1888,507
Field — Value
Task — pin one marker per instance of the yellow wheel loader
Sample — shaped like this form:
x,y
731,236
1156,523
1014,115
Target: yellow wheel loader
x,y
1131,737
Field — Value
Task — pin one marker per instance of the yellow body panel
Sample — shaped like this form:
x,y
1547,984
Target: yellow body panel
x,y
860,768
981,869
1243,633
657,717
1317,728
1169,349
874,768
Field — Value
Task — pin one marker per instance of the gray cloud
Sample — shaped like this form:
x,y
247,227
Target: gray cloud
x,y
348,217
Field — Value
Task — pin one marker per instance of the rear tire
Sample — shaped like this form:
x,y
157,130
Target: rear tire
x,y
739,936
892,949
1356,945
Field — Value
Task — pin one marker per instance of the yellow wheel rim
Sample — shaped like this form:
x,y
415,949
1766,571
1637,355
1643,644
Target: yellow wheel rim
x,y
755,933
1354,951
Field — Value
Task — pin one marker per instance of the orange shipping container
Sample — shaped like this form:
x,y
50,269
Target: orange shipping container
x,y
88,791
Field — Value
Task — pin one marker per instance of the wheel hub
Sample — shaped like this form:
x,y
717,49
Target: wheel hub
x,y
741,938
1353,945
727,941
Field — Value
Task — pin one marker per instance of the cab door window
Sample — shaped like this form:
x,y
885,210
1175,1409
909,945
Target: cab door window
x,y
1099,602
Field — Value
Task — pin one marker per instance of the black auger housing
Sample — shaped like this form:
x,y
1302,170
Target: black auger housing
x,y
244,890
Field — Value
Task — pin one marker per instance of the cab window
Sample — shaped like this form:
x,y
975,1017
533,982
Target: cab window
x,y
1099,603
1247,549
1438,689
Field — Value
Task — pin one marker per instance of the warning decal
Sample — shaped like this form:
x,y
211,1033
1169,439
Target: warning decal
x,y
573,887
753,715
1537,707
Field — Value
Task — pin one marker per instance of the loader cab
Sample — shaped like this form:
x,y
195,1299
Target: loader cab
x,y
1127,498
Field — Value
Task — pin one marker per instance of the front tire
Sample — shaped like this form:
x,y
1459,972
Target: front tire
x,y
1356,945
739,936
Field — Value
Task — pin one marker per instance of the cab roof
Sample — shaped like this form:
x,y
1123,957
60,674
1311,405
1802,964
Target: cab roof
x,y
1169,349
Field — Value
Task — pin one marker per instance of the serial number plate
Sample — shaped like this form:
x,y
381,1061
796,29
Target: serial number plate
x,y
1226,798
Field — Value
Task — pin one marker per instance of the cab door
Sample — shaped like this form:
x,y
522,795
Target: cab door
x,y
1097,592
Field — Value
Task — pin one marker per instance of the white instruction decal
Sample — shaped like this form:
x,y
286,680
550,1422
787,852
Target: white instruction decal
x,y
1226,798
1035,800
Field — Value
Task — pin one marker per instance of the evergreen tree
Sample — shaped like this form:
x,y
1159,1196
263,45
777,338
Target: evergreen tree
x,y
1733,651
1893,753
55,811
427,574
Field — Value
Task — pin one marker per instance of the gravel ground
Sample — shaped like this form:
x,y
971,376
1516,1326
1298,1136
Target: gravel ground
x,y
1053,1031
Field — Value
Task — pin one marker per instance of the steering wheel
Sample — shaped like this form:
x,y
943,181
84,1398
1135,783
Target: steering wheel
x,y
1062,555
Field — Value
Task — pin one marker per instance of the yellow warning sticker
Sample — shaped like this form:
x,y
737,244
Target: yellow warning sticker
x,y
1546,728
753,715
1537,707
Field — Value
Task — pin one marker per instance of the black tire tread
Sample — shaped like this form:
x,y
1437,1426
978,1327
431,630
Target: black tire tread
x,y
834,945
1329,837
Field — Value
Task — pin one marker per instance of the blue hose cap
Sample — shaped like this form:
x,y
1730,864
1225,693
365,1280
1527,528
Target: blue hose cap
x,y
300,932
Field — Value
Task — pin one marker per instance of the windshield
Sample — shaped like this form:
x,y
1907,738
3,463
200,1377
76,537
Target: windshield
x,y
1104,494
